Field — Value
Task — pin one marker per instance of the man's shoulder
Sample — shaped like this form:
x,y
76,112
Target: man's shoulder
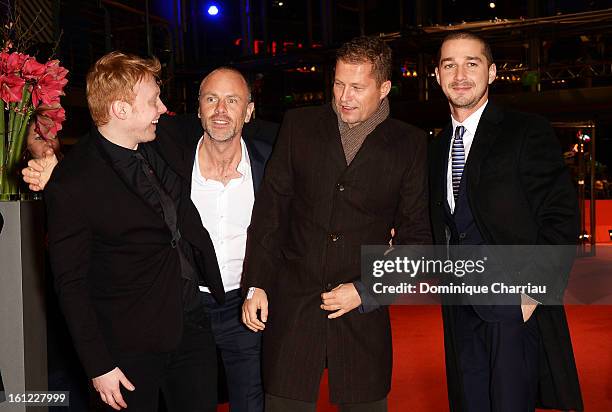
x,y
516,118
309,112
402,131
403,126
78,164
261,132
183,128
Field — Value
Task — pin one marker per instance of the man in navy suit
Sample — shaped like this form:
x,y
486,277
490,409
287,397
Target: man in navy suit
x,y
497,178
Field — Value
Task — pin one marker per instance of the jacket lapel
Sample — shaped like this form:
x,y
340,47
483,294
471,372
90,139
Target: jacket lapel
x,y
365,152
257,163
442,166
328,129
487,132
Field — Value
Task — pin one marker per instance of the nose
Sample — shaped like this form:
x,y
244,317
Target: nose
x,y
460,73
221,106
161,107
346,94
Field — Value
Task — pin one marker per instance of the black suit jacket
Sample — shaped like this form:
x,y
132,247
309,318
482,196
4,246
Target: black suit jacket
x,y
310,219
117,276
520,193
177,140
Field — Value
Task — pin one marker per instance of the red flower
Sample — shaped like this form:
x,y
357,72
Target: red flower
x,y
56,71
32,70
50,86
49,120
15,62
3,59
47,90
11,87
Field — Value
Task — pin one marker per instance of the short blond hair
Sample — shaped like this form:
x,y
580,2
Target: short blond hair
x,y
112,78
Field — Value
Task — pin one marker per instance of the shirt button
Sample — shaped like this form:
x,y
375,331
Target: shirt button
x,y
328,287
340,187
334,237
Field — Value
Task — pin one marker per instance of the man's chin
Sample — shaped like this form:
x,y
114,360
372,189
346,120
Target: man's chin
x,y
349,119
149,137
220,139
464,102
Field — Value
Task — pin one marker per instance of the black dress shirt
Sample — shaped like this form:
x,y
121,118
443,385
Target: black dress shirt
x,y
150,177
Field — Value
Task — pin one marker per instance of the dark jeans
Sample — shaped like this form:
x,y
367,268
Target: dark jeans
x,y
187,377
499,361
278,404
240,351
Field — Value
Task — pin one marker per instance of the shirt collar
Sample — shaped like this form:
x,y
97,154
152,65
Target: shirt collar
x,y
471,123
116,153
244,167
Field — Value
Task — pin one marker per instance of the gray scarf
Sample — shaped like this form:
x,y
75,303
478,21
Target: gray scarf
x,y
353,138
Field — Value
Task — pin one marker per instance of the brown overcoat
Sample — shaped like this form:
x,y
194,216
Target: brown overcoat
x,y
310,219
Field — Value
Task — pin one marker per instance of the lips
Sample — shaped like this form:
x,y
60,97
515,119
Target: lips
x,y
220,121
461,86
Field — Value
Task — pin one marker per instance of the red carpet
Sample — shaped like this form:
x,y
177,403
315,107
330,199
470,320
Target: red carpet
x,y
419,383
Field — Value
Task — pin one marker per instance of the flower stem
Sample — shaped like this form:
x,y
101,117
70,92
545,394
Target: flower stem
x,y
16,142
2,147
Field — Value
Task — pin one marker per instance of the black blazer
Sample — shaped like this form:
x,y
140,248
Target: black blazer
x,y
177,140
520,193
310,219
117,276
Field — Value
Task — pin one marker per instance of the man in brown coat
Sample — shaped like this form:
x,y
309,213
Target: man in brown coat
x,y
342,175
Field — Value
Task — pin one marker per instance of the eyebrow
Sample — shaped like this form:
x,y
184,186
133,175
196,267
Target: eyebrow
x,y
235,96
350,84
450,59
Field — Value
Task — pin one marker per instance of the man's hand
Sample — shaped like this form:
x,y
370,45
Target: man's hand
x,y
259,301
108,386
528,306
38,172
342,299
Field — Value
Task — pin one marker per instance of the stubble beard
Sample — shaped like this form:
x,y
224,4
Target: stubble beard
x,y
218,137
466,102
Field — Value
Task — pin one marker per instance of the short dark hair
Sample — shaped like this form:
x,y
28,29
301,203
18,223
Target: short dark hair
x,y
233,70
370,49
486,48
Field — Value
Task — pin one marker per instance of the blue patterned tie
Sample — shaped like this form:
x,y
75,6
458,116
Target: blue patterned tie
x,y
458,159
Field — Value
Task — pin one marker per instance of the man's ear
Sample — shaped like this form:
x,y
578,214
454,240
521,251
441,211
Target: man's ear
x,y
385,88
249,112
492,72
437,75
120,109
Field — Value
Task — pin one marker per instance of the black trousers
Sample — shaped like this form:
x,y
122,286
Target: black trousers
x,y
498,361
240,350
187,377
278,404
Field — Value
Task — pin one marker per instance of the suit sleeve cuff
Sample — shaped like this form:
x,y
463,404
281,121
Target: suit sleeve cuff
x,y
368,303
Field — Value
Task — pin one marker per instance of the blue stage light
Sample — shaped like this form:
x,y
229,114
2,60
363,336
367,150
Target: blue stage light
x,y
213,10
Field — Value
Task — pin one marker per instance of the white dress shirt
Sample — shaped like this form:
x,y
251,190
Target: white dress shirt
x,y
470,124
226,214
